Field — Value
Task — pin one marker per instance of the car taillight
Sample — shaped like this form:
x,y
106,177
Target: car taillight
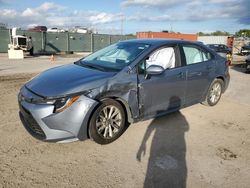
x,y
229,59
228,63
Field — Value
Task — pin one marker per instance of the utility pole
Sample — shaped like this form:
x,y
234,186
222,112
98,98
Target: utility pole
x,y
122,22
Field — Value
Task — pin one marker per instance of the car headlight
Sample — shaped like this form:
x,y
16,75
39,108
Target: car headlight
x,y
62,103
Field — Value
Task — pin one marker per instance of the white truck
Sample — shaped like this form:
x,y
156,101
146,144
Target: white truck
x,y
18,45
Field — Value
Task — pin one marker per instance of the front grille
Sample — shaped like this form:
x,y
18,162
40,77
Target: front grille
x,y
30,124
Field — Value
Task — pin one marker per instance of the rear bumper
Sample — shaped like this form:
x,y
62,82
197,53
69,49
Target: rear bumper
x,y
69,125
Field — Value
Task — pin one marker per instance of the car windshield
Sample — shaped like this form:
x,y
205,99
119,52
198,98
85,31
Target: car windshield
x,y
114,57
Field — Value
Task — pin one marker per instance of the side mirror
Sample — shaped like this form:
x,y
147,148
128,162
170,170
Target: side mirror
x,y
154,70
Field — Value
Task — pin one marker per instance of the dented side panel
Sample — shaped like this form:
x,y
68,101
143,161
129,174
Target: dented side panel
x,y
124,88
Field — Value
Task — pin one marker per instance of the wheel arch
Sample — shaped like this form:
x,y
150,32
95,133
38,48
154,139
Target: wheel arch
x,y
223,79
205,93
125,107
204,98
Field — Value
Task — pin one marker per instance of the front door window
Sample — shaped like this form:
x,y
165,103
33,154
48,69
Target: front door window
x,y
164,57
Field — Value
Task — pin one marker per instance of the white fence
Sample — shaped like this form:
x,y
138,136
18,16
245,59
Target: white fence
x,y
213,39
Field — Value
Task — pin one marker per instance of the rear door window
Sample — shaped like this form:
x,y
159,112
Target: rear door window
x,y
195,55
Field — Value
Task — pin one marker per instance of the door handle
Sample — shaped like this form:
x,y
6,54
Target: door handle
x,y
194,74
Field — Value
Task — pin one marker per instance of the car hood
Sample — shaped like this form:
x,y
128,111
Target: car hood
x,y
67,79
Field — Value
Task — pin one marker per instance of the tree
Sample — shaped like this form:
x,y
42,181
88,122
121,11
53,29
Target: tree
x,y
220,33
202,34
216,33
243,33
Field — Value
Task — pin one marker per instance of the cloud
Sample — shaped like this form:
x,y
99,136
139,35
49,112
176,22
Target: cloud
x,y
104,17
44,9
11,13
245,13
50,6
135,12
191,11
55,15
222,1
162,18
216,10
152,3
30,13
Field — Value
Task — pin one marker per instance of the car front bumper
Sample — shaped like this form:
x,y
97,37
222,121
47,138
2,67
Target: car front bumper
x,y
42,123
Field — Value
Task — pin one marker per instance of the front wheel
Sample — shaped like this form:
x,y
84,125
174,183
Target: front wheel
x,y
214,93
107,122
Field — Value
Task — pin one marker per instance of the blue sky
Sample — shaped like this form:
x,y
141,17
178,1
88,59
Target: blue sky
x,y
129,16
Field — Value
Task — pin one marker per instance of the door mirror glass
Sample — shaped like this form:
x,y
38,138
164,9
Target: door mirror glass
x,y
154,70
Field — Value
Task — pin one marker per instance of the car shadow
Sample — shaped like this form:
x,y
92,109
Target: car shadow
x,y
167,160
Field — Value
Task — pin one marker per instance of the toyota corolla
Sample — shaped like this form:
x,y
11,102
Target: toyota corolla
x,y
99,95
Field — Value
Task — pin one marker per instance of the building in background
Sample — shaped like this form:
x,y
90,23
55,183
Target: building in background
x,y
213,39
83,30
225,40
38,29
181,36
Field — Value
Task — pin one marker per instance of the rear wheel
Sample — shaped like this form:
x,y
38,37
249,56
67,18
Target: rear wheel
x,y
107,123
214,93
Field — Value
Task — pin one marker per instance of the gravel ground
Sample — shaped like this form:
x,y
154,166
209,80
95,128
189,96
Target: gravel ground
x,y
34,64
196,147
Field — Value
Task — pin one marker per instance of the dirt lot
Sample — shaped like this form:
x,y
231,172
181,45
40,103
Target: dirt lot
x,y
196,147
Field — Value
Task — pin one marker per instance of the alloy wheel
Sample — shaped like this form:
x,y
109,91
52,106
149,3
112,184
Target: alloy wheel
x,y
108,122
215,93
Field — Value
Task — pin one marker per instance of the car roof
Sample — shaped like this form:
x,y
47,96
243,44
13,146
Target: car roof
x,y
156,41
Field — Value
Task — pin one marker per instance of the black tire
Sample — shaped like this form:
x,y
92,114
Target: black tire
x,y
97,123
209,99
